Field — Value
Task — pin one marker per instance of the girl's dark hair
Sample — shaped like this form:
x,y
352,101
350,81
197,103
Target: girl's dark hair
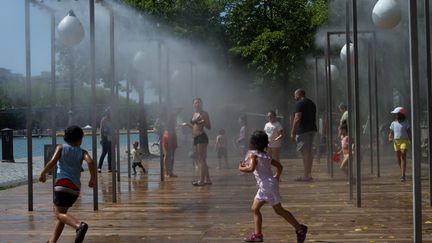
x,y
401,117
197,99
258,141
344,126
73,134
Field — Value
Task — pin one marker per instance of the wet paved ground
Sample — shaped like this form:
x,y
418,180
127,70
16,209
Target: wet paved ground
x,y
174,211
12,174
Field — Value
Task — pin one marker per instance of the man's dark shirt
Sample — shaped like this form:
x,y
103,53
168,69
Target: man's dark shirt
x,y
307,109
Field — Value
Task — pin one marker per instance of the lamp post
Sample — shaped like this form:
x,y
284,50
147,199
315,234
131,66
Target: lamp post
x,y
415,105
318,108
429,90
29,116
93,92
114,159
71,33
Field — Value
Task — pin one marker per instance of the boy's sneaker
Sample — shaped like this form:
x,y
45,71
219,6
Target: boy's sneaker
x,y
80,232
301,233
403,178
254,238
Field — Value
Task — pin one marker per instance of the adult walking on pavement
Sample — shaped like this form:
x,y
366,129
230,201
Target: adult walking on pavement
x,y
303,131
105,140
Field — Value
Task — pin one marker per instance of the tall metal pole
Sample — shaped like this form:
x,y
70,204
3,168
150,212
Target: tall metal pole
x,y
415,107
330,110
429,95
93,99
168,83
326,63
317,108
357,104
160,130
53,92
370,109
71,87
53,82
377,138
29,107
168,91
113,128
349,98
128,128
116,95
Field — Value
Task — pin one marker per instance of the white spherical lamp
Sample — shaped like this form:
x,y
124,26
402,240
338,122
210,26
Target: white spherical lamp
x,y
343,53
334,72
70,30
386,14
140,61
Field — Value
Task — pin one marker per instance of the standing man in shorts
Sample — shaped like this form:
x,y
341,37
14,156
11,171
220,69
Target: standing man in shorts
x,y
303,131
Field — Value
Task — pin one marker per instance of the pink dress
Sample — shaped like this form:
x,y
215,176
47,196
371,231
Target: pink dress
x,y
345,146
268,186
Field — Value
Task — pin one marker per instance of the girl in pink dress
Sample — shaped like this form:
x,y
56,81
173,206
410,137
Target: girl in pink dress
x,y
343,133
259,163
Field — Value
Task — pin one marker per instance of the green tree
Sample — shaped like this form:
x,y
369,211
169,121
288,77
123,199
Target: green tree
x,y
200,20
272,37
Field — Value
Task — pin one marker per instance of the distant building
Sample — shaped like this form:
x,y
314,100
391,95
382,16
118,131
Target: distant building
x,y
7,75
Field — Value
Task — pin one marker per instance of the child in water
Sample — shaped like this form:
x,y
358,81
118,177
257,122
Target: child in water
x,y
259,163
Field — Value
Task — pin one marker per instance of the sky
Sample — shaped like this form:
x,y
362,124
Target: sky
x,y
12,40
12,37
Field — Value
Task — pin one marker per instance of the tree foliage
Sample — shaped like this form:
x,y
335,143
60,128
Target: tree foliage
x,y
196,19
268,36
272,36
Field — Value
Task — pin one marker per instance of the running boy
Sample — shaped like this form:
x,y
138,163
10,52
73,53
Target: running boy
x,y
259,163
67,184
400,135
